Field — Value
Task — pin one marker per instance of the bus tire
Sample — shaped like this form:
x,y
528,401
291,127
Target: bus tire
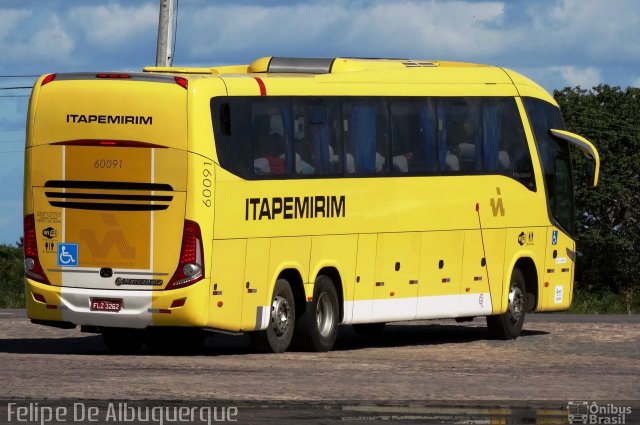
x,y
369,330
123,341
509,324
277,337
317,326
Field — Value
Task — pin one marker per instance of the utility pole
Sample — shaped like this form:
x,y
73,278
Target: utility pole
x,y
164,52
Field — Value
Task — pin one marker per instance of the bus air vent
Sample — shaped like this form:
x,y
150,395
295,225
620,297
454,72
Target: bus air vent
x,y
108,196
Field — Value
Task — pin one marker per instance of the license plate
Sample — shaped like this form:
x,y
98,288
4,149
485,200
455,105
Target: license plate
x,y
106,304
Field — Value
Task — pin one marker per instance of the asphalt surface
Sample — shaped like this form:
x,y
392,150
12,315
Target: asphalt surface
x,y
420,372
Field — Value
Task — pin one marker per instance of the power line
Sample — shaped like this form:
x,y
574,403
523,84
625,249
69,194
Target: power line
x,y
19,76
16,88
14,95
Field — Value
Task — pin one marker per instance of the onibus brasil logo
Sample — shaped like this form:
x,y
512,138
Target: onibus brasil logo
x,y
583,412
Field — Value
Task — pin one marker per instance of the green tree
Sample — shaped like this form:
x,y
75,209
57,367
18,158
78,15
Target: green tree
x,y
11,277
608,232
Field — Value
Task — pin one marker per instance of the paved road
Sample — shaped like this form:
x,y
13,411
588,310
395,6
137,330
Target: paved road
x,y
423,372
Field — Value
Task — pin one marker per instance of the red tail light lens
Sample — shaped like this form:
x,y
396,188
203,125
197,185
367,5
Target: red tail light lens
x,y
191,266
32,267
113,75
49,78
182,82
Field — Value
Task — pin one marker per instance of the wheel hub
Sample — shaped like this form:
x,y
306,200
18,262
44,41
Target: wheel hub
x,y
280,314
516,304
324,315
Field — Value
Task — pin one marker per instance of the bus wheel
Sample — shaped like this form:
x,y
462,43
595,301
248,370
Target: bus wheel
x,y
369,330
509,324
277,337
123,341
317,326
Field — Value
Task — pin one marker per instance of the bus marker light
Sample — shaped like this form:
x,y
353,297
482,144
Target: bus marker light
x,y
467,289
216,293
49,78
220,303
392,293
546,284
252,291
159,310
113,75
182,82
178,303
39,298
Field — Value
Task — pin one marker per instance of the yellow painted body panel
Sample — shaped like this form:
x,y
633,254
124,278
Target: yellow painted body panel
x,y
365,278
397,269
227,279
441,263
559,268
257,285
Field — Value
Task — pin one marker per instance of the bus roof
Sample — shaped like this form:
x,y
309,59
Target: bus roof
x,y
370,70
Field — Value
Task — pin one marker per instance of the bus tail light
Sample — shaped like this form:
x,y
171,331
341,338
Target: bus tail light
x,y
191,266
49,78
32,267
182,82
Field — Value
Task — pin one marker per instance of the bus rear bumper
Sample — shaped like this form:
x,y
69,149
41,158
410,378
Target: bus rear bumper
x,y
136,309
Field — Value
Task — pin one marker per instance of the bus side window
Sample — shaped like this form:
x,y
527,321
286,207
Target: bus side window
x,y
465,133
513,156
317,150
366,134
405,136
270,126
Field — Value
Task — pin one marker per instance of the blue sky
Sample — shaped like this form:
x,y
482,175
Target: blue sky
x,y
557,43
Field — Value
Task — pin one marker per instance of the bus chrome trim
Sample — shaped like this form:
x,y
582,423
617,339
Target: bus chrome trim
x,y
76,308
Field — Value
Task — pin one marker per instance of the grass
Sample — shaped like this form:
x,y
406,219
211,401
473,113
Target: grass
x,y
605,302
12,294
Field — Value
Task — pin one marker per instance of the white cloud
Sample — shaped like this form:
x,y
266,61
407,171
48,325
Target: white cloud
x,y
51,42
10,19
112,25
28,37
589,28
408,28
583,77
636,83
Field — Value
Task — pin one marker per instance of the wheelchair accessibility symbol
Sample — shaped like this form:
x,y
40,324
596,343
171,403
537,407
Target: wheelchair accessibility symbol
x,y
68,254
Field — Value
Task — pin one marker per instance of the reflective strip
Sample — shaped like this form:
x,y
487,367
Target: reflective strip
x,y
427,307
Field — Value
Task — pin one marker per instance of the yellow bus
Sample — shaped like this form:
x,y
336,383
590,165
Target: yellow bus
x,y
289,196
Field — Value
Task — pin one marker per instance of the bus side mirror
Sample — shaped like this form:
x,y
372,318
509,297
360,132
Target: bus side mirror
x,y
590,152
590,171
